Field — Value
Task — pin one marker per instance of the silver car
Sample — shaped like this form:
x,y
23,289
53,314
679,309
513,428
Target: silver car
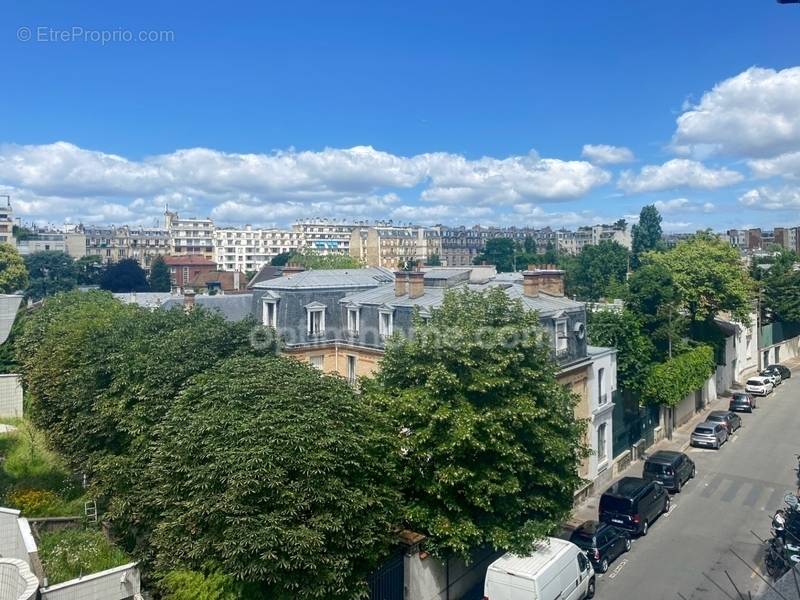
x,y
709,435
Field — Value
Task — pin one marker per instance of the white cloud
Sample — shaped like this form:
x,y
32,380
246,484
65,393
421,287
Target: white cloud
x,y
785,165
683,205
754,114
767,198
603,154
677,173
278,185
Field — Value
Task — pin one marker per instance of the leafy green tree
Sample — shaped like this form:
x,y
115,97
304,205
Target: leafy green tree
x,y
499,252
530,245
781,296
124,276
63,349
635,352
646,234
668,383
245,475
550,254
280,260
160,279
194,585
597,269
708,276
13,274
90,269
652,296
434,261
491,445
50,272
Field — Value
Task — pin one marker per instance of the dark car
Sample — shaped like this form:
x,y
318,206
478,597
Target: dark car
x,y
742,402
602,542
670,469
785,372
633,504
731,420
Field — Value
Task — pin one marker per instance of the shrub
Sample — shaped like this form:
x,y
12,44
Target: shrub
x,y
35,503
72,553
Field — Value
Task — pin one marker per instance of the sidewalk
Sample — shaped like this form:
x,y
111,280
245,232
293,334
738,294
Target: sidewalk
x,y
680,442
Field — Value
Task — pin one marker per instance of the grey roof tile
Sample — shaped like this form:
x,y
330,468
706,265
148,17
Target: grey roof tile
x,y
328,278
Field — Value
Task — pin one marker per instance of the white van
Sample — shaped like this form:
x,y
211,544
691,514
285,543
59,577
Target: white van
x,y
557,570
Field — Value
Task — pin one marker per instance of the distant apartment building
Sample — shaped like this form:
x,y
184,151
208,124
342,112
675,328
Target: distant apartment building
x,y
6,222
41,241
573,242
737,238
460,245
788,237
250,249
189,236
113,244
392,246
325,236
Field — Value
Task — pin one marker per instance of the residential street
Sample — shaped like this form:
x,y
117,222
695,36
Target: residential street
x,y
737,490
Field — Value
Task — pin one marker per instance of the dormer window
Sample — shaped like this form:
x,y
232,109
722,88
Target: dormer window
x,y
315,318
562,341
353,321
270,314
385,323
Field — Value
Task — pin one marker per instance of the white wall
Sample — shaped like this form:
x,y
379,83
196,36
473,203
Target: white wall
x,y
16,580
426,578
16,540
10,396
603,360
114,584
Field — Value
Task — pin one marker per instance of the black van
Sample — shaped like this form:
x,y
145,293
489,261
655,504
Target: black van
x,y
633,504
670,469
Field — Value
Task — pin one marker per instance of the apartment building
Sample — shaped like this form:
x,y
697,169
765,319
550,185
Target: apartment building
x,y
392,246
339,321
460,245
189,236
6,222
250,249
788,237
113,244
325,236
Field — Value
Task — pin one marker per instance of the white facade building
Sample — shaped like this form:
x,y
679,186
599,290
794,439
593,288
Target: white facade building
x,y
250,249
189,236
602,384
325,236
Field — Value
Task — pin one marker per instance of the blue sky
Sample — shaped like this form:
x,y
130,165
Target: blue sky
x,y
428,112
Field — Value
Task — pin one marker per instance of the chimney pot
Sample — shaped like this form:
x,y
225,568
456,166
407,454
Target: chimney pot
x,y
188,299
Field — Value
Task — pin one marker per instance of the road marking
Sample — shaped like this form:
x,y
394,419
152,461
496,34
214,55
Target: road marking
x,y
732,491
712,486
618,568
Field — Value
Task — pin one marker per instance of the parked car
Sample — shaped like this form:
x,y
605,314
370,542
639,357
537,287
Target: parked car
x,y
758,386
773,376
557,570
710,435
670,469
730,419
741,402
785,372
633,504
602,542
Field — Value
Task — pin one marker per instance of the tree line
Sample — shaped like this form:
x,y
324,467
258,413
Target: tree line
x,y
231,472
49,272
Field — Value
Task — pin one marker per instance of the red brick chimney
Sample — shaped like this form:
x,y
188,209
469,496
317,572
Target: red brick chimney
x,y
548,280
400,283
416,284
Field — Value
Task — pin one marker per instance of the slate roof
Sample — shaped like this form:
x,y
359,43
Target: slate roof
x,y
544,304
234,307
328,278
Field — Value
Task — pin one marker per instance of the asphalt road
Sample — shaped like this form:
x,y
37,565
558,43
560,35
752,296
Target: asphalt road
x,y
737,489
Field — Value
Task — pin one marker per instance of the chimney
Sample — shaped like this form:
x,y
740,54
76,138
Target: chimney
x,y
416,284
548,280
236,276
188,300
400,283
291,270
